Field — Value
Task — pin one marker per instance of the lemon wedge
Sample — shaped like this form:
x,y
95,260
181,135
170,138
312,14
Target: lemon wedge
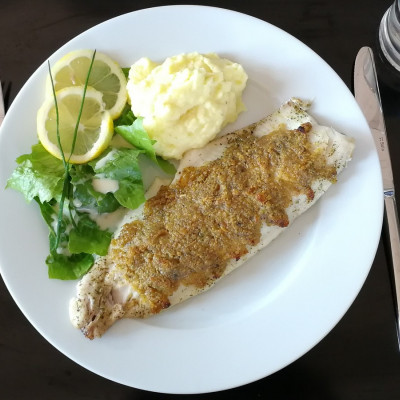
x,y
95,128
106,76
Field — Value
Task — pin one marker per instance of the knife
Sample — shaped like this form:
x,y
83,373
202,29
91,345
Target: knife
x,y
2,111
367,94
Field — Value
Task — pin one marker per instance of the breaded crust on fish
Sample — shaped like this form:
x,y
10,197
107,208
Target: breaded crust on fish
x,y
228,200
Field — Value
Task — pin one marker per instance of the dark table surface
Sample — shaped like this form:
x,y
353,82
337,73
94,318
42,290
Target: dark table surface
x,y
358,359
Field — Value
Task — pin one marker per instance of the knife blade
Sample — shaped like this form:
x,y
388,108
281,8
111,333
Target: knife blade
x,y
366,90
2,111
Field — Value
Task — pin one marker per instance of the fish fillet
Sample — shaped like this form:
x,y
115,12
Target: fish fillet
x,y
227,201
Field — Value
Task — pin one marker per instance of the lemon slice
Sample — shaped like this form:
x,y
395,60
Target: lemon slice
x,y
95,127
106,76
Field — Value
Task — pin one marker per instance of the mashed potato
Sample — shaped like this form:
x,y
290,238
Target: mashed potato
x,y
186,100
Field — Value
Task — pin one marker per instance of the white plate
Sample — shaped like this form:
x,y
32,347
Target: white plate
x,y
274,308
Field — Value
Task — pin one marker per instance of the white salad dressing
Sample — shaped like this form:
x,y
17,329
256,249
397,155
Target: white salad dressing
x,y
105,185
109,221
104,160
77,203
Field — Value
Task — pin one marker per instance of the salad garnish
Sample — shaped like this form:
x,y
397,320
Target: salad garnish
x,y
75,199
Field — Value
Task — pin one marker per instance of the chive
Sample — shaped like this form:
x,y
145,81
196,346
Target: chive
x,y
81,108
57,114
66,186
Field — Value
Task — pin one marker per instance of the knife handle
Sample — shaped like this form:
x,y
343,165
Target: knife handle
x,y
394,238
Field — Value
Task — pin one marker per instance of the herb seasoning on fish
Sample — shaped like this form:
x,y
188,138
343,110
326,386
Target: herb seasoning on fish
x,y
213,213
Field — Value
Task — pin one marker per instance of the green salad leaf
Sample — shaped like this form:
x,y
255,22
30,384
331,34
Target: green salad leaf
x,y
87,237
135,134
126,118
126,70
70,267
80,237
38,174
121,165
85,196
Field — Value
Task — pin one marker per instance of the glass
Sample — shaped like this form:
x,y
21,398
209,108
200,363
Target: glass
x,y
389,35
388,61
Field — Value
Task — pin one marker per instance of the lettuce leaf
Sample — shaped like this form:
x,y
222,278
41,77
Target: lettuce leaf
x,y
39,174
122,165
126,118
126,70
80,238
71,267
86,196
87,237
135,134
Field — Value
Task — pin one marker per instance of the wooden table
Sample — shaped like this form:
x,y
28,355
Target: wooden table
x,y
359,359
